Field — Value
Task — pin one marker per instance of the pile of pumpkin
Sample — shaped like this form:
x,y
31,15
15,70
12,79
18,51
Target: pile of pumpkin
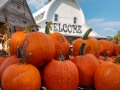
x,y
38,59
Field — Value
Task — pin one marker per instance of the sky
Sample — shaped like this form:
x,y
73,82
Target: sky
x,y
103,16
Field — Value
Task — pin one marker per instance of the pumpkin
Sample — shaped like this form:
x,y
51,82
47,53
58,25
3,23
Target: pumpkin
x,y
86,64
2,59
9,61
69,56
106,46
61,43
107,76
106,58
41,47
21,76
76,46
17,39
92,45
61,75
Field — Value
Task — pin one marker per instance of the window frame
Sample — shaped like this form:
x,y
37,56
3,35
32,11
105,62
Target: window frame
x,y
56,17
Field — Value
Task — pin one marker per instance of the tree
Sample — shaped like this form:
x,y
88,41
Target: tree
x,y
118,33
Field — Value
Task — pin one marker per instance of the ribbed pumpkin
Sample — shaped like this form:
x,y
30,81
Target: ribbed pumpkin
x,y
106,58
41,47
61,75
107,76
9,61
116,45
21,76
2,59
92,45
106,46
17,39
86,65
61,43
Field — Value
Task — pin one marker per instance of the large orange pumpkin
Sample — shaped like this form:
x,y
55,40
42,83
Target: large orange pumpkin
x,y
86,65
21,77
17,39
92,45
61,43
41,47
107,76
61,75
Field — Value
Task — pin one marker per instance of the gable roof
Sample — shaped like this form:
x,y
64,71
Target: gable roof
x,y
3,3
7,4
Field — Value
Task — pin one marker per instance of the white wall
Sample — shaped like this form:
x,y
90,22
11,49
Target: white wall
x,y
66,10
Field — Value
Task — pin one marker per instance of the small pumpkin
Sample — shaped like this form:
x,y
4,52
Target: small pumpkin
x,y
61,43
106,46
61,75
86,64
92,45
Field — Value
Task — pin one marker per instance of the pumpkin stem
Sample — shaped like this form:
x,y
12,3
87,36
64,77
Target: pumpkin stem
x,y
69,53
19,55
23,51
28,28
117,61
105,55
85,37
82,47
61,57
48,27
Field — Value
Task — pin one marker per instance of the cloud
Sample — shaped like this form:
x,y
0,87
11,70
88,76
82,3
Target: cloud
x,y
101,22
109,29
37,4
95,21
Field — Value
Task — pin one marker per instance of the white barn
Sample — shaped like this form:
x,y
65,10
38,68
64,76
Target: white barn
x,y
67,18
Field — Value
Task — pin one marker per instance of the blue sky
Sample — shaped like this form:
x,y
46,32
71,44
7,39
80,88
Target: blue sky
x,y
103,16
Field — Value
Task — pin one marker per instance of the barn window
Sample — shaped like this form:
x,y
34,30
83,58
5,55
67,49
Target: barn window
x,y
75,20
56,17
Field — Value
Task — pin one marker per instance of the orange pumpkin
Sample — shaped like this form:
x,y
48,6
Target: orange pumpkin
x,y
41,47
2,59
86,65
61,75
107,76
9,61
61,43
16,41
106,58
21,77
92,45
106,46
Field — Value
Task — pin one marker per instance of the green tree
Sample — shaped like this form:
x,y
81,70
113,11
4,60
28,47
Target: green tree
x,y
118,33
